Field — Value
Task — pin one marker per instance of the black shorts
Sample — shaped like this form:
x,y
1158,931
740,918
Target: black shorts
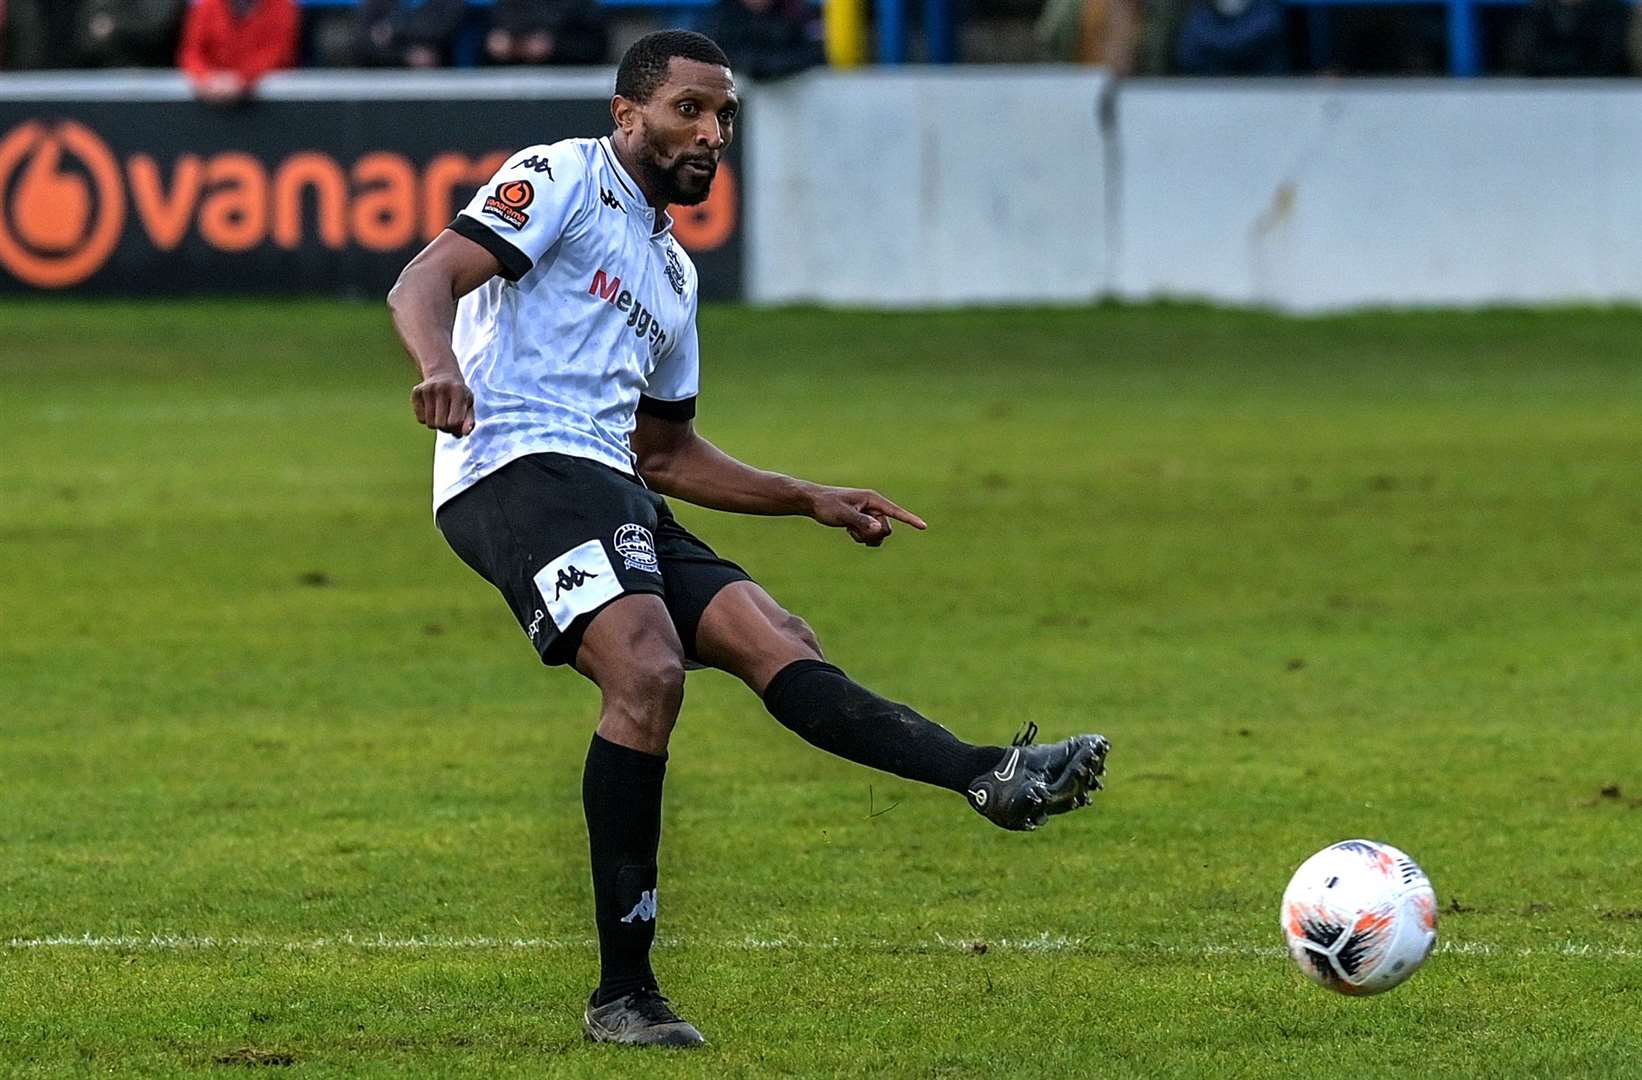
x,y
560,537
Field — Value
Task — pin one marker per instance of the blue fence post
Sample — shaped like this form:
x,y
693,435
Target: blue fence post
x,y
1319,37
1464,46
892,31
940,31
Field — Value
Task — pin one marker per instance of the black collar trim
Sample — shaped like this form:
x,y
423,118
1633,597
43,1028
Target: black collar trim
x,y
616,166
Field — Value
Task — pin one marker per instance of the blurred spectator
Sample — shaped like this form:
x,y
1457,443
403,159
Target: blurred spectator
x,y
228,45
1159,31
40,33
767,39
1233,37
6,46
129,33
547,32
407,33
1104,32
1388,41
1574,38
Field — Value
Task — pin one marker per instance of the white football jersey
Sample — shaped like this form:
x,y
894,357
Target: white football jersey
x,y
593,318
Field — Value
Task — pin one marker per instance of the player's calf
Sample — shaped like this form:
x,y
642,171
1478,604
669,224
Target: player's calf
x,y
1016,788
828,709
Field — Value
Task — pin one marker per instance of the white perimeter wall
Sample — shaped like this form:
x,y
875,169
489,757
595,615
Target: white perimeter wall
x,y
1000,185
889,188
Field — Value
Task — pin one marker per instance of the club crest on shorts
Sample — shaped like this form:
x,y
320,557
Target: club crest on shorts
x,y
637,548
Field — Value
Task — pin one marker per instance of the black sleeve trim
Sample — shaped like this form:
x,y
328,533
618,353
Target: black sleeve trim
x,y
515,263
683,409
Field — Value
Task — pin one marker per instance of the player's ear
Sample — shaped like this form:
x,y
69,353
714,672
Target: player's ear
x,y
623,112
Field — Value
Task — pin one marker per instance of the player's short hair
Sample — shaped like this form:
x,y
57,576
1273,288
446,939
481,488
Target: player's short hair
x,y
644,65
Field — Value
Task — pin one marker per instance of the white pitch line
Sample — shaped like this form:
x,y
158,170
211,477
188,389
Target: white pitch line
x,y
1044,943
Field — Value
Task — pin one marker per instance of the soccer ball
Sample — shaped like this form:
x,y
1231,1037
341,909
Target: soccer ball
x,y
1360,917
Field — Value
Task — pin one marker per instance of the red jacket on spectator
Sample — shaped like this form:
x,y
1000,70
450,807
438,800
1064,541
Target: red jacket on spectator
x,y
215,38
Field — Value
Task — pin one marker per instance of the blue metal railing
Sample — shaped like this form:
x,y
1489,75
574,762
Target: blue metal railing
x,y
1463,18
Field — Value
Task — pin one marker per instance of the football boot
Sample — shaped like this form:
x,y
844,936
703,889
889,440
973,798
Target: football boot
x,y
642,1018
1031,783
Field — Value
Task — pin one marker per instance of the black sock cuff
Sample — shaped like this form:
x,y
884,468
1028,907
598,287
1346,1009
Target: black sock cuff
x,y
614,755
790,674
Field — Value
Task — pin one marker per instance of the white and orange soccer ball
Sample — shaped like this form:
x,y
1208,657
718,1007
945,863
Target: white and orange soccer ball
x,y
1360,917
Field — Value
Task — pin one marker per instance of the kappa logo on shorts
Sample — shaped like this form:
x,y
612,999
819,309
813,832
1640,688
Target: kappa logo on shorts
x,y
637,548
535,626
509,200
571,577
577,582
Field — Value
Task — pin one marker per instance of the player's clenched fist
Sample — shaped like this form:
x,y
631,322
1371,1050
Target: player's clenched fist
x,y
444,402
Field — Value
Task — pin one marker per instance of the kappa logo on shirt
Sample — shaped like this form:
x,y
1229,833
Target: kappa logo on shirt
x,y
640,318
608,198
509,200
538,164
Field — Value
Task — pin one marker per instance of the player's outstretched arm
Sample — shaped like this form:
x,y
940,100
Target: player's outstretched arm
x,y
423,302
675,460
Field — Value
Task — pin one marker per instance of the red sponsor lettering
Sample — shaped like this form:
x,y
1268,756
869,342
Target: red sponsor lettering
x,y
604,287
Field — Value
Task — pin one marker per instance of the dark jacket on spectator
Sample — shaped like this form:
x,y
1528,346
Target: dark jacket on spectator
x,y
1571,38
39,34
577,27
1233,39
387,28
129,33
247,37
767,39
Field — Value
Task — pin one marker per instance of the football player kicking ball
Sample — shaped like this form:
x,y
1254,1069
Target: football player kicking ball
x,y
554,323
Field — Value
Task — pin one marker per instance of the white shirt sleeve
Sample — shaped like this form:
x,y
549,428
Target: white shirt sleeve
x,y
532,201
673,385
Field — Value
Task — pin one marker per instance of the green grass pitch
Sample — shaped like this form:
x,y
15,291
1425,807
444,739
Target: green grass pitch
x,y
281,783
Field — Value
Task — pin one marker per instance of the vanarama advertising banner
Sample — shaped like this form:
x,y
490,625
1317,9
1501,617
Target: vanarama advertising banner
x,y
325,186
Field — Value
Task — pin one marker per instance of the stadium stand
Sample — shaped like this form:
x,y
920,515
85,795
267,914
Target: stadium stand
x,y
1464,38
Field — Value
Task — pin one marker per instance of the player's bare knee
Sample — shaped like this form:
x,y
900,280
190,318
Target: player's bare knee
x,y
647,692
658,679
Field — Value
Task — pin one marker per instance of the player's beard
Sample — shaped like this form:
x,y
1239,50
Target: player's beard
x,y
677,185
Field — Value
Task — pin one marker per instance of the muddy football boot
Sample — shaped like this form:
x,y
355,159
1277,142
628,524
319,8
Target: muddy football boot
x,y
642,1018
1030,783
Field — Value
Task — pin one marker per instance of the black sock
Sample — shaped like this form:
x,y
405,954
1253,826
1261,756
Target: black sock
x,y
824,708
621,795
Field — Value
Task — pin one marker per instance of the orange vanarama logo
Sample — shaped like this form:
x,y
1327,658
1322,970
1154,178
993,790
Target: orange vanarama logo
x,y
516,194
509,202
65,198
62,205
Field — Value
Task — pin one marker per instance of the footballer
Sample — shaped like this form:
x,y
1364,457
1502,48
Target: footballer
x,y
554,325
